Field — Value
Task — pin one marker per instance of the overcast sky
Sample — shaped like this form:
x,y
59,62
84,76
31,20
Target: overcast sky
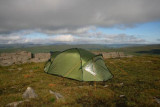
x,y
79,21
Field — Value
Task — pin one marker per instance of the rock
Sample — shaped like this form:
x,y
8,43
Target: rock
x,y
106,86
114,54
121,84
122,96
111,54
20,69
157,100
58,95
30,70
29,93
42,55
15,104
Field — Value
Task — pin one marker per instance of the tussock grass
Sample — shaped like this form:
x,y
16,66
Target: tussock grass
x,y
137,78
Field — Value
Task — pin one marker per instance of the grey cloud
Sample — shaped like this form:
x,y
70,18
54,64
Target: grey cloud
x,y
75,31
66,16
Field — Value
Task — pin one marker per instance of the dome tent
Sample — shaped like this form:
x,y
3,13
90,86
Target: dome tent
x,y
78,64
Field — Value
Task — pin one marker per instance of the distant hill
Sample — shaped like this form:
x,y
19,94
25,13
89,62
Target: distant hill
x,y
146,49
90,46
127,48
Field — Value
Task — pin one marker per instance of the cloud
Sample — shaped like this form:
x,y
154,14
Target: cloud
x,y
9,38
62,38
74,16
85,38
100,38
80,30
158,39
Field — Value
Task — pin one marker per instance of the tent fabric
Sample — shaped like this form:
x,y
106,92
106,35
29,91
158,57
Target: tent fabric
x,y
78,64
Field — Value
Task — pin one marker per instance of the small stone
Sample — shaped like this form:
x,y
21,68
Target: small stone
x,y
58,95
122,96
121,84
106,86
29,93
20,69
82,86
157,100
30,70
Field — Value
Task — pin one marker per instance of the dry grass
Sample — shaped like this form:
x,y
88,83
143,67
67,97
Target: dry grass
x,y
137,78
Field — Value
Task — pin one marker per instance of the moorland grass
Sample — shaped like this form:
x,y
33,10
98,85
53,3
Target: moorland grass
x,y
138,78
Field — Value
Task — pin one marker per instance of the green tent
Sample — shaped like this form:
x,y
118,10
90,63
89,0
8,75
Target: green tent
x,y
78,64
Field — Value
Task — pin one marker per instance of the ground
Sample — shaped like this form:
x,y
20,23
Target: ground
x,y
136,80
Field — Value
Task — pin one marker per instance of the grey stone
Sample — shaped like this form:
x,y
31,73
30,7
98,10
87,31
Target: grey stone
x,y
81,86
42,55
20,69
106,86
58,95
15,104
111,54
122,96
6,62
157,100
29,93
30,70
121,84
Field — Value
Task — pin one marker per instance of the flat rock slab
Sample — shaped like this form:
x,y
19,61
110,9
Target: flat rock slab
x,y
15,104
58,95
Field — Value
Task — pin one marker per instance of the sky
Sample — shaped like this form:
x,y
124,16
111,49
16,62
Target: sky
x,y
80,21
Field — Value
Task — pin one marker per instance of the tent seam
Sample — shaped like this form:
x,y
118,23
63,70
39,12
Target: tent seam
x,y
81,62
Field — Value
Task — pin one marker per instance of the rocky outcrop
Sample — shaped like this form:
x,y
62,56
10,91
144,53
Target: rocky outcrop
x,y
40,57
7,59
112,54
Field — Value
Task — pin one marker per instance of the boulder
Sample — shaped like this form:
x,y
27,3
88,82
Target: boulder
x,y
29,93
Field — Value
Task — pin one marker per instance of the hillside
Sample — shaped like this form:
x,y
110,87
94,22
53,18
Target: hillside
x,y
136,82
146,49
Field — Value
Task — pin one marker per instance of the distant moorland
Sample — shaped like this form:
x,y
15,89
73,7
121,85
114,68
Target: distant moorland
x,y
136,49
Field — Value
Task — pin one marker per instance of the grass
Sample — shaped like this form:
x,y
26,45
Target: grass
x,y
138,78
